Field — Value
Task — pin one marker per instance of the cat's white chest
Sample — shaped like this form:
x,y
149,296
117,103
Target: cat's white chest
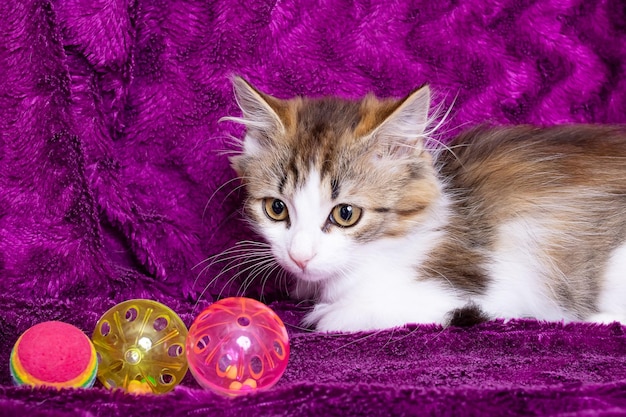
x,y
383,291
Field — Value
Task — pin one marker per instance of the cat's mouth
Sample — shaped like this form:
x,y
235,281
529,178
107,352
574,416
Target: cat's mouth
x,y
306,272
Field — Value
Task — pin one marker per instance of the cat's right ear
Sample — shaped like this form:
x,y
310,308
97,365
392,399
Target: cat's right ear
x,y
402,132
260,116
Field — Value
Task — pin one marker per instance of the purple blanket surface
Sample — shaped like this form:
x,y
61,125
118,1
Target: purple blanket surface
x,y
114,184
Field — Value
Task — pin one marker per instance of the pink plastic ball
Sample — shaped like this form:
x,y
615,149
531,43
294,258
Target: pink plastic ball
x,y
237,345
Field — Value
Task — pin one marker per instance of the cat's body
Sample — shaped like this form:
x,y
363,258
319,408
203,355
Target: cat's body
x,y
381,231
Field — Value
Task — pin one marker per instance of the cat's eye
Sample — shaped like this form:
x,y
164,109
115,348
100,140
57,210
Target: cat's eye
x,y
275,209
345,215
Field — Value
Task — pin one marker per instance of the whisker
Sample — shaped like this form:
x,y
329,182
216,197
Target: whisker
x,y
302,302
268,275
241,246
247,251
217,258
218,189
229,256
304,329
242,253
267,264
235,142
238,274
440,274
359,340
390,341
436,336
227,268
222,223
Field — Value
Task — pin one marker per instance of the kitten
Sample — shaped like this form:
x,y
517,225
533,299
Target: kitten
x,y
382,231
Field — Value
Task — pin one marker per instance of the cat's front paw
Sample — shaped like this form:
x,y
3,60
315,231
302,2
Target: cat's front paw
x,y
338,318
327,317
607,318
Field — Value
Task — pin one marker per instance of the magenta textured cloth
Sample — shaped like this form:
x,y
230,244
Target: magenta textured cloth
x,y
114,184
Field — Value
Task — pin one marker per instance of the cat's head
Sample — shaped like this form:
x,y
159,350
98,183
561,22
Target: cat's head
x,y
326,178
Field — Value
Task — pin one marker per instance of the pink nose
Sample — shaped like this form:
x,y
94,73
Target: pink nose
x,y
302,262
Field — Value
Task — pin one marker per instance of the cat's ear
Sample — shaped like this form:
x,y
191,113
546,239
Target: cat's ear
x,y
402,132
260,115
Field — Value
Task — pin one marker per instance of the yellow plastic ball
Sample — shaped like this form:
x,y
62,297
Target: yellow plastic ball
x,y
141,347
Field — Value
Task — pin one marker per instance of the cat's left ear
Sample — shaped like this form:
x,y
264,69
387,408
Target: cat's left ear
x,y
402,131
261,115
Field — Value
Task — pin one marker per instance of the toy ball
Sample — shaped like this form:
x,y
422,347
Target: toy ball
x,y
237,345
54,354
141,347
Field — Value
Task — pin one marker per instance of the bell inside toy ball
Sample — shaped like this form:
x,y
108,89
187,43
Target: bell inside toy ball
x,y
236,346
141,347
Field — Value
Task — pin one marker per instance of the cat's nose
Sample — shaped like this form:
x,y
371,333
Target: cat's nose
x,y
302,249
301,261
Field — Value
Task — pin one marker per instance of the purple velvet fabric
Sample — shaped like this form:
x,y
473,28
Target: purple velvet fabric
x,y
112,167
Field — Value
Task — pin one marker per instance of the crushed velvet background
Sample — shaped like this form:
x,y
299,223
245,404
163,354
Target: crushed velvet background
x,y
111,163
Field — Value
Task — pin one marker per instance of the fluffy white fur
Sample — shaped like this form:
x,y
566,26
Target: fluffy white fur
x,y
379,275
374,285
611,303
382,274
518,286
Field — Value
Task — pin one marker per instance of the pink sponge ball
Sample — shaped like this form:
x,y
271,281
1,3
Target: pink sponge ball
x,y
54,354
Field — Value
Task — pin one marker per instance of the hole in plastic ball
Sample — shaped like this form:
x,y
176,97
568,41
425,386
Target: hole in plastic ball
x,y
116,366
256,367
278,348
243,321
131,314
166,378
160,323
110,383
99,357
202,343
224,363
105,328
175,351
